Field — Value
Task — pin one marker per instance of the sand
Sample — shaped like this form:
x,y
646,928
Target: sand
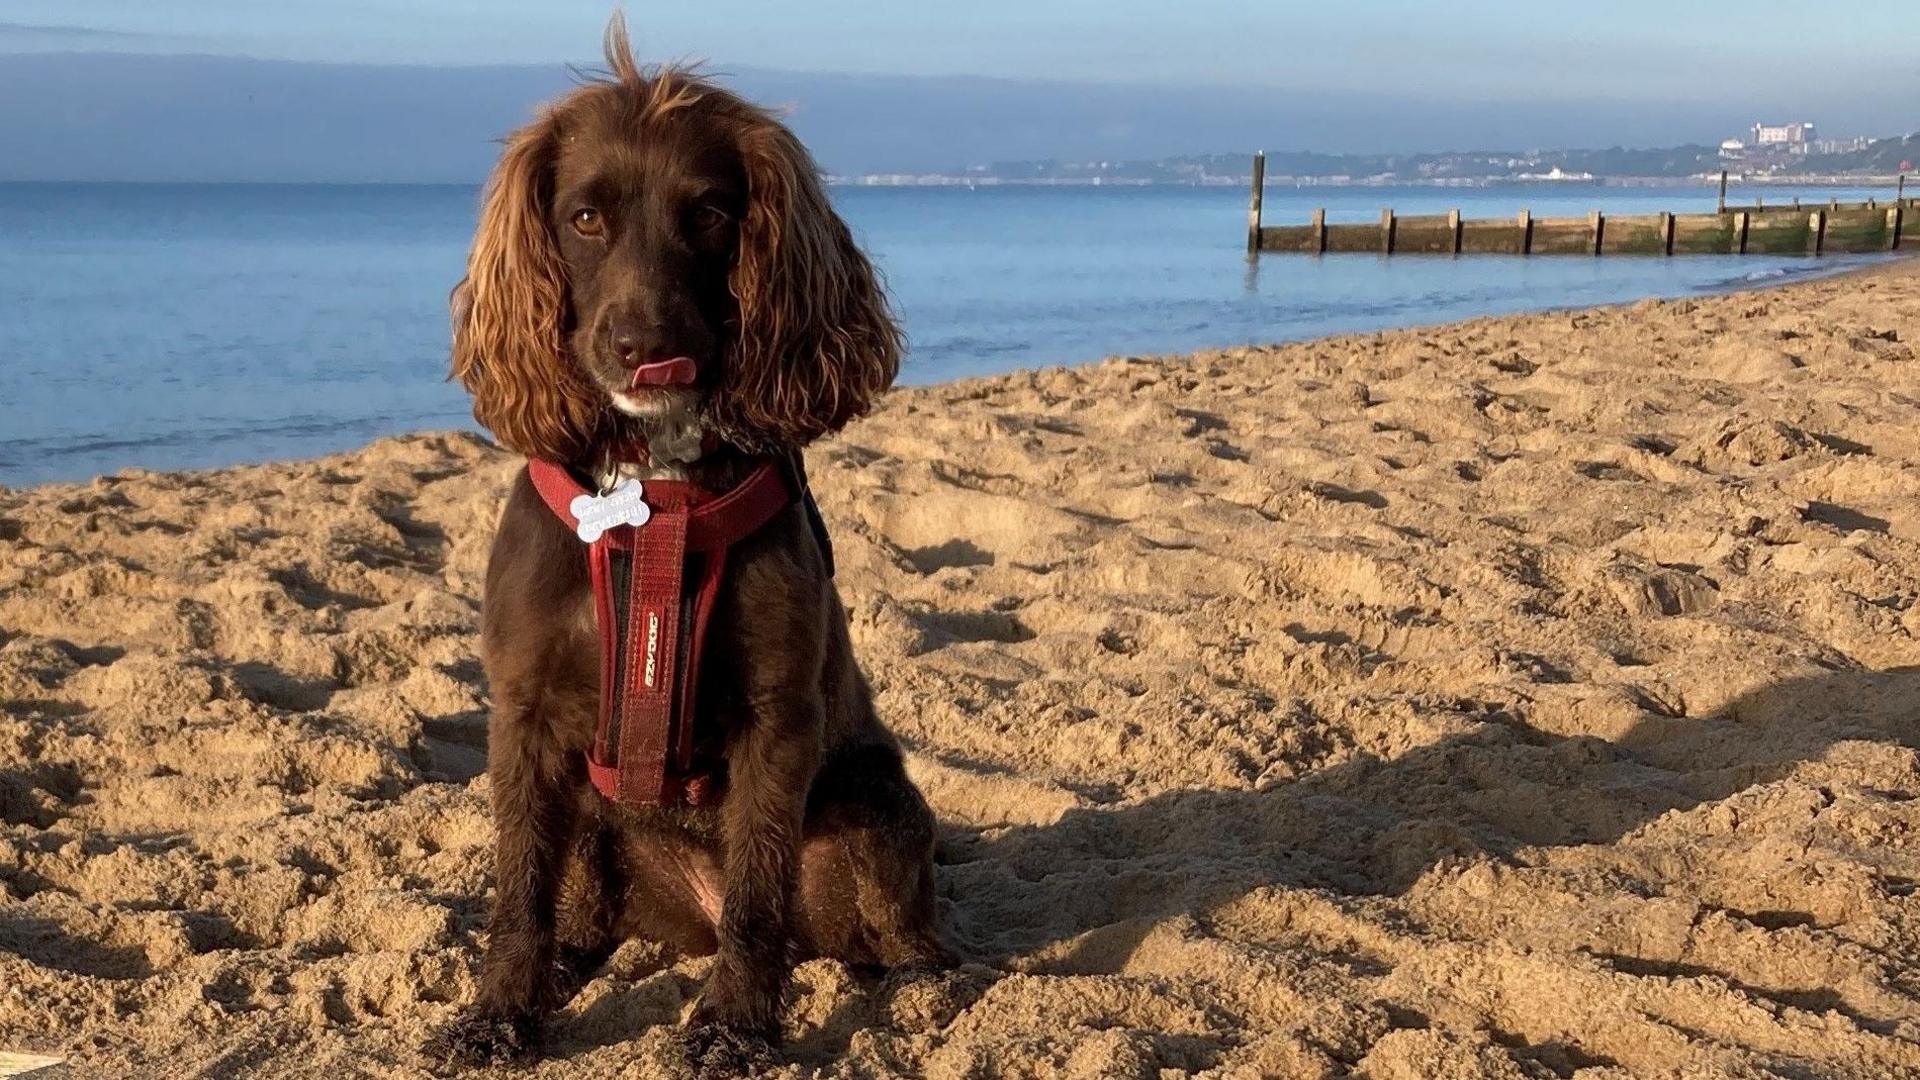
x,y
1527,697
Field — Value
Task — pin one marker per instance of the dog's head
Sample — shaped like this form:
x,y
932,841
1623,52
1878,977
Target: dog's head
x,y
655,245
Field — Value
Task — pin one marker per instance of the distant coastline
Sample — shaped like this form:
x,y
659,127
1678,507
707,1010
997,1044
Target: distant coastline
x,y
1842,180
1869,162
927,180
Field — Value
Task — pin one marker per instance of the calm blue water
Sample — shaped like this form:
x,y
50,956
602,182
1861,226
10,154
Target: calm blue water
x,y
185,326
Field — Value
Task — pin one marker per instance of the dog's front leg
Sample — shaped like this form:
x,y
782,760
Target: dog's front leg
x,y
534,806
770,769
534,811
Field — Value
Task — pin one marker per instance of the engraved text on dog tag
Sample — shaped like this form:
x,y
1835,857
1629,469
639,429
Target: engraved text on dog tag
x,y
598,513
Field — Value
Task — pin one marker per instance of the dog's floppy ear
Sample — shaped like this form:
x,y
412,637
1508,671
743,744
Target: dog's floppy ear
x,y
509,314
816,342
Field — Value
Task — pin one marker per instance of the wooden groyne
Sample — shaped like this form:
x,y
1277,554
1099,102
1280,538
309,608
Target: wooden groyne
x,y
1787,228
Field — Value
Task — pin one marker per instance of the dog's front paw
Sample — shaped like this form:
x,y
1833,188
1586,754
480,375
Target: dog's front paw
x,y
476,1040
717,1050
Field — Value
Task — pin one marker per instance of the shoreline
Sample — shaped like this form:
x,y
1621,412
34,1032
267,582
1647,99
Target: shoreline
x,y
1869,264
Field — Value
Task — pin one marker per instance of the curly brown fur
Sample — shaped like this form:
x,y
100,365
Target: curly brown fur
x,y
650,215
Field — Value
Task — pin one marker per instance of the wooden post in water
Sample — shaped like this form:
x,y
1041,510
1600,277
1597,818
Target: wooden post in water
x,y
1597,222
1525,221
1386,231
1453,226
1320,230
1666,231
1253,207
1723,191
1817,230
1740,233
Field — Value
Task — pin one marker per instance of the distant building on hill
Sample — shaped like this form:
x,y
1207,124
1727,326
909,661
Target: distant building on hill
x,y
1791,137
1839,146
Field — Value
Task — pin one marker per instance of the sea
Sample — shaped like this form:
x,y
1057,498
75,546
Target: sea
x,y
188,326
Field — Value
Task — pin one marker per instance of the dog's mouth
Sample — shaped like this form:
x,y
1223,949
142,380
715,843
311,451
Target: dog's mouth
x,y
656,387
673,371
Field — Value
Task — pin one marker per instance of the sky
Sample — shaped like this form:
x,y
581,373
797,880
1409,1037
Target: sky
x,y
1625,51
416,90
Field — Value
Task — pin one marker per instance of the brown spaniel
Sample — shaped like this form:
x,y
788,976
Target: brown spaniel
x,y
659,290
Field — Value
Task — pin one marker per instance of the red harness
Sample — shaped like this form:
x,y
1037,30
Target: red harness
x,y
652,625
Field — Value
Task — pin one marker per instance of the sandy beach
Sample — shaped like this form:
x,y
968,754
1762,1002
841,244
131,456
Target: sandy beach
x,y
1526,697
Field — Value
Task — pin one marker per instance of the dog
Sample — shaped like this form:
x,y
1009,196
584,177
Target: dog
x,y
657,263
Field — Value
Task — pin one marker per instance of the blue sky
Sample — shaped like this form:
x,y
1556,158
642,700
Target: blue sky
x,y
871,85
1619,51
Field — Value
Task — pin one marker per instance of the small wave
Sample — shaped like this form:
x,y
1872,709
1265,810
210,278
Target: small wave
x,y
1825,267
289,426
967,345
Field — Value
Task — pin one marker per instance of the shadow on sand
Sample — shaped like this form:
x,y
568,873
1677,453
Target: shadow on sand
x,y
1369,827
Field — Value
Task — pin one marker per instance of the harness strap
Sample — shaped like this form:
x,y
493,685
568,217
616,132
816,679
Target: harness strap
x,y
651,630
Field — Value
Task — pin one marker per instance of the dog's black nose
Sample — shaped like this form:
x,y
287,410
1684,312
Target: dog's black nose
x,y
626,344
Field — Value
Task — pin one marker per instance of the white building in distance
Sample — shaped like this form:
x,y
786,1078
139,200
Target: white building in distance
x,y
1782,135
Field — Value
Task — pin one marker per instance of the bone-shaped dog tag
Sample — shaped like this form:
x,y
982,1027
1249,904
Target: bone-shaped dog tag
x,y
598,513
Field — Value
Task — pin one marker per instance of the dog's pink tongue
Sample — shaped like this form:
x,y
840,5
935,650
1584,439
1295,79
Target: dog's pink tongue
x,y
678,371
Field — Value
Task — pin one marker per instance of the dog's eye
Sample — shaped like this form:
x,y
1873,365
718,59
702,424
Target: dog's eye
x,y
588,222
707,216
